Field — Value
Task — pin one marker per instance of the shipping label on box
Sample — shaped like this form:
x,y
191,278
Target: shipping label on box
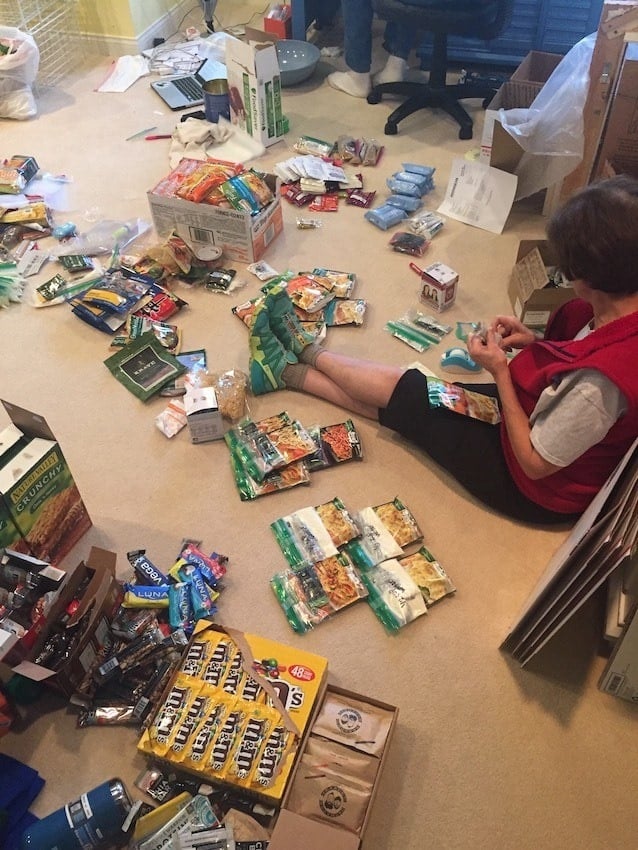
x,y
39,492
620,676
254,88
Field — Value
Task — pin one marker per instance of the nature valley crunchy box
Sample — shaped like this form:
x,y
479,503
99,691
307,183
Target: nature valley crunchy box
x,y
39,494
237,709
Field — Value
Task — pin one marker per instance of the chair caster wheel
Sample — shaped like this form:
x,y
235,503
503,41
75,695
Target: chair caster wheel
x,y
465,133
373,97
390,129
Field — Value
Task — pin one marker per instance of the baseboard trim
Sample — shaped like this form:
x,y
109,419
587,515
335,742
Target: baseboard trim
x,y
164,27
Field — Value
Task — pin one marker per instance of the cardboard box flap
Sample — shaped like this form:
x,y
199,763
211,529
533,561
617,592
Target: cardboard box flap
x,y
532,274
31,424
293,832
259,38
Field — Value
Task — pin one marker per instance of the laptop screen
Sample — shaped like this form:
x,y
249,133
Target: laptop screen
x,y
210,69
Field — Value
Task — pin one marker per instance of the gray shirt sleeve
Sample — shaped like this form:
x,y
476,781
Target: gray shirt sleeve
x,y
575,414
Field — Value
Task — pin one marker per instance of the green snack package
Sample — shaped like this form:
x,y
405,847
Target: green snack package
x,y
144,366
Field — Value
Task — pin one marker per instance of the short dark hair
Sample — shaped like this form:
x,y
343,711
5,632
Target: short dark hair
x,y
595,235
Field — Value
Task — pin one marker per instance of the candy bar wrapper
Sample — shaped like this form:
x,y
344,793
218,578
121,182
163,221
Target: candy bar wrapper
x,y
327,797
463,401
145,569
376,543
170,715
303,538
197,749
399,521
212,567
350,721
199,707
432,580
393,595
218,661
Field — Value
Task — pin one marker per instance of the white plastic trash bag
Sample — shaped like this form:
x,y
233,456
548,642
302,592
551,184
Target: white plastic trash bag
x,y
551,131
19,62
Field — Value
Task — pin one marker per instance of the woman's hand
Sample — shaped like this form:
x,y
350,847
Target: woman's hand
x,y
487,353
513,332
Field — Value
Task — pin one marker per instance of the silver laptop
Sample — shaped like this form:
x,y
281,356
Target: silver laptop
x,y
184,91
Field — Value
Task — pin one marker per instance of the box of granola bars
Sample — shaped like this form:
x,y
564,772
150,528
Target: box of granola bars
x,y
41,510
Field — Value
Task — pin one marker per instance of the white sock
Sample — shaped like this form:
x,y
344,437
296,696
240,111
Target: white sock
x,y
351,82
394,71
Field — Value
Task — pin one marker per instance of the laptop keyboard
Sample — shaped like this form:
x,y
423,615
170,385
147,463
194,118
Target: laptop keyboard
x,y
189,87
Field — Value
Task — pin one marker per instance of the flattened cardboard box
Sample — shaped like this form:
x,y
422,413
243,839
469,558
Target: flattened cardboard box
x,y
102,598
39,496
291,680
240,236
531,297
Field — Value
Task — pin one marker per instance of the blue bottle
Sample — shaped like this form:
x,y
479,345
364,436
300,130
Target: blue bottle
x,y
93,821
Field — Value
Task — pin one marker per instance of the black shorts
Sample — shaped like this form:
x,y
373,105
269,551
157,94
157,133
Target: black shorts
x,y
469,449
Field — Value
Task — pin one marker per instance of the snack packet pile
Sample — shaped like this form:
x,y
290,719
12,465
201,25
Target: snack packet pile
x,y
336,558
278,453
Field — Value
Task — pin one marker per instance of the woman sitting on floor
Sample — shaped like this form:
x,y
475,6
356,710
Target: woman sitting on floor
x,y
568,401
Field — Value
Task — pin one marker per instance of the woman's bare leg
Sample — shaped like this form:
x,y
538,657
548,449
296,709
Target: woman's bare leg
x,y
316,383
364,381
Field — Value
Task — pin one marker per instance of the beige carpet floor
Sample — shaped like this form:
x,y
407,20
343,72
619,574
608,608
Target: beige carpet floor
x,y
485,756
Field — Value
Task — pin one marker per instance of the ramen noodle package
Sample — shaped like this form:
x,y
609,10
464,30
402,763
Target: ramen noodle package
x,y
303,538
340,442
254,449
432,580
464,401
399,521
393,595
281,479
351,721
345,311
343,282
375,544
335,517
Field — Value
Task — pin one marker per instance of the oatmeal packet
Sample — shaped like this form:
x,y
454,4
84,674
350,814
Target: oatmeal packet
x,y
353,722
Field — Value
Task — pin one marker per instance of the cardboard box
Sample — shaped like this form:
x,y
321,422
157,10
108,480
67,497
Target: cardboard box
x,y
291,680
293,830
620,136
101,599
278,21
439,287
531,297
38,493
618,20
241,236
620,676
498,148
203,415
254,86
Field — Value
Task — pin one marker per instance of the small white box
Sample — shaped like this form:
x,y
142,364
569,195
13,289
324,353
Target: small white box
x,y
439,286
203,415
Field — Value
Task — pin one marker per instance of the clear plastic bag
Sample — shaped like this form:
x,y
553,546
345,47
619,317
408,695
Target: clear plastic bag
x,y
551,131
18,70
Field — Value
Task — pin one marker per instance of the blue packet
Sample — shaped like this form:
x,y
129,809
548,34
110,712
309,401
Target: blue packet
x,y
385,216
405,202
404,187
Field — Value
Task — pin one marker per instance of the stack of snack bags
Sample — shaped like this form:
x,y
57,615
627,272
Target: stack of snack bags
x,y
335,559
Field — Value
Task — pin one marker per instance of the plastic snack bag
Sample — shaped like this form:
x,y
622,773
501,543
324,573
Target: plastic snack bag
x,y
393,595
432,580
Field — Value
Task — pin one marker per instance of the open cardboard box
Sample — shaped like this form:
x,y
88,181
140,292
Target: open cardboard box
x,y
100,599
240,235
293,830
498,148
531,297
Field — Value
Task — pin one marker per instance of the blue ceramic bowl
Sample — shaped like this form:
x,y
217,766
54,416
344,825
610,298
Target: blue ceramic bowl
x,y
297,60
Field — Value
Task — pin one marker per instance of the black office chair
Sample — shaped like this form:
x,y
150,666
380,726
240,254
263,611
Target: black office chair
x,y
483,19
